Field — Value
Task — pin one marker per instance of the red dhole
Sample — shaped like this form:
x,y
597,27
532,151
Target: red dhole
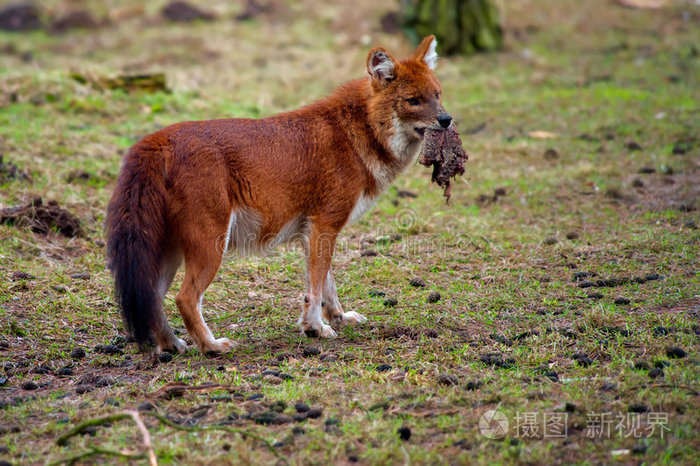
x,y
193,190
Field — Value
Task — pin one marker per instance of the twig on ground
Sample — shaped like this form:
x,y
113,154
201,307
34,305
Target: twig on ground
x,y
153,461
96,451
136,417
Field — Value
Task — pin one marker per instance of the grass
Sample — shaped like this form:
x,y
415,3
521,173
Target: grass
x,y
512,325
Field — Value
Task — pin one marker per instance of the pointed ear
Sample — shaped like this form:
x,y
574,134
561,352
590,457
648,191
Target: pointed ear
x,y
381,66
426,52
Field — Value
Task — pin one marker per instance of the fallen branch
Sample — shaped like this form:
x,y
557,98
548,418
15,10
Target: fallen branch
x,y
96,451
63,439
136,417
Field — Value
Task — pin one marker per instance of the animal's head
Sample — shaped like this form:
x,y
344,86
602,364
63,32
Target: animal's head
x,y
408,92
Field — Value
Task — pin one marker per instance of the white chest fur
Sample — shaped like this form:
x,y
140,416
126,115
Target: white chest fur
x,y
363,204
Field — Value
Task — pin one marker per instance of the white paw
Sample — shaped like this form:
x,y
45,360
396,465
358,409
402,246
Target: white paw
x,y
220,345
180,345
328,332
177,344
353,317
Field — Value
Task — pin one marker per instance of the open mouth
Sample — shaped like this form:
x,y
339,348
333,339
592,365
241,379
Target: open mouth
x,y
420,131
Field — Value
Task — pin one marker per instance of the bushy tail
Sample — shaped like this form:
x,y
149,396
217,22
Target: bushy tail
x,y
136,237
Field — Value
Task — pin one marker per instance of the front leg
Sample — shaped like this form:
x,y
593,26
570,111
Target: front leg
x,y
319,253
332,309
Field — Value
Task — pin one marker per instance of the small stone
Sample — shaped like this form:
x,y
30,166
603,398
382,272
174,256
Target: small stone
x,y
368,253
620,300
255,397
447,379
314,413
180,11
105,381
662,364
656,373
550,240
311,351
383,368
583,360
80,276
586,284
165,357
77,353
19,275
30,385
433,297
641,366
637,183
406,194
681,147
299,417
108,349
60,288
146,406
572,235
675,352
647,170
301,407
265,418
660,331
81,389
579,276
376,294
637,408
652,276
551,154
64,372
595,295
633,146
474,385
570,407
278,406
404,433
417,282
390,302
639,449
500,192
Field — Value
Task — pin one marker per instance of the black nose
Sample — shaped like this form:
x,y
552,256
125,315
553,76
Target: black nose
x,y
445,119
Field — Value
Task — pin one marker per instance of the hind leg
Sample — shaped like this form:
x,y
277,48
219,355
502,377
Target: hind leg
x,y
202,261
163,334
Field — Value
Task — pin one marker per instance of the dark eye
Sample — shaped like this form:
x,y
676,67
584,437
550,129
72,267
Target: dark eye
x,y
413,101
437,95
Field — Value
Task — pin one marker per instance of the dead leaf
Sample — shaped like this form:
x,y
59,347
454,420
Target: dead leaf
x,y
645,4
542,135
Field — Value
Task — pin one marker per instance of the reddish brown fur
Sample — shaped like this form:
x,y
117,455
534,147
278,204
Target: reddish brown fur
x,y
179,186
